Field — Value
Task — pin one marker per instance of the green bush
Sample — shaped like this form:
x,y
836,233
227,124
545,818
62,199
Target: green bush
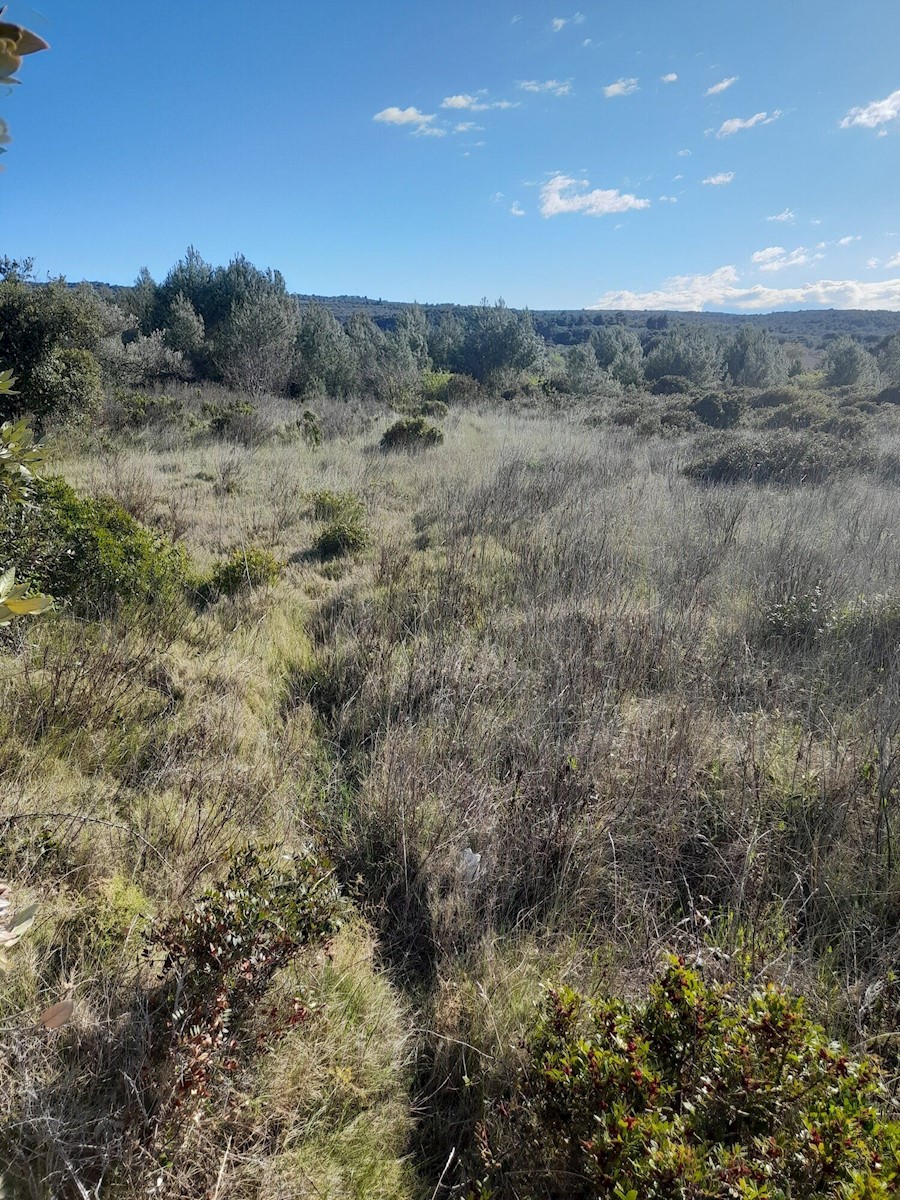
x,y
248,567
136,410
411,433
91,552
717,410
436,409
791,459
67,386
328,505
672,385
777,397
343,535
221,954
687,1094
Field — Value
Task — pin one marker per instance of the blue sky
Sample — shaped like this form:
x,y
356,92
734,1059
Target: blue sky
x,y
724,154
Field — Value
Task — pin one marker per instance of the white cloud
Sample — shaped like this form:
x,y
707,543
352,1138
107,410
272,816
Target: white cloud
x,y
404,116
559,23
622,87
517,210
776,258
497,197
670,78
561,194
466,127
872,263
735,125
787,215
847,241
555,86
719,180
893,262
879,112
685,153
429,131
476,103
721,86
723,289
668,199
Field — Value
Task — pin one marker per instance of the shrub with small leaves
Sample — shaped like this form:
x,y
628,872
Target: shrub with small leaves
x,y
248,567
310,428
221,954
91,552
720,411
411,433
688,1095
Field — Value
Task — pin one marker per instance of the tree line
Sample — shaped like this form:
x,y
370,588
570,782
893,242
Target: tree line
x,y
240,326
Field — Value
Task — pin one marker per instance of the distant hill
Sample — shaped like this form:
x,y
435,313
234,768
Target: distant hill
x,y
567,327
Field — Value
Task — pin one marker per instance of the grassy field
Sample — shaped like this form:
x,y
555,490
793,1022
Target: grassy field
x,y
565,707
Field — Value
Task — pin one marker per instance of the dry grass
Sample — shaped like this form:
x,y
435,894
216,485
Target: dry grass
x,y
665,716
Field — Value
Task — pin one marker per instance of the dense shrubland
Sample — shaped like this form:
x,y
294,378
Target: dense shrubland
x,y
410,696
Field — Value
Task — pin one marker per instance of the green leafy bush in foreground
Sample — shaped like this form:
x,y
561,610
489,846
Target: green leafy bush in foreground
x,y
688,1095
90,552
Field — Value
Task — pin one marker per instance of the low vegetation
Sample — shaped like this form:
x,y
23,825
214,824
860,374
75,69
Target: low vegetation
x,y
466,822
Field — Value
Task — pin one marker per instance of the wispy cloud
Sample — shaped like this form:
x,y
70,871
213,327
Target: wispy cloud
x,y
517,210
786,215
555,87
722,86
685,153
668,199
670,78
723,289
559,23
849,239
776,258
622,87
562,194
467,127
870,116
735,124
404,116
474,103
719,180
893,262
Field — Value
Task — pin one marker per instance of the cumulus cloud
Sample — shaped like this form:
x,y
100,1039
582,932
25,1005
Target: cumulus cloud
x,y
670,78
722,86
622,87
870,116
474,103
517,210
404,116
787,215
723,289
735,125
719,180
561,194
776,258
555,87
